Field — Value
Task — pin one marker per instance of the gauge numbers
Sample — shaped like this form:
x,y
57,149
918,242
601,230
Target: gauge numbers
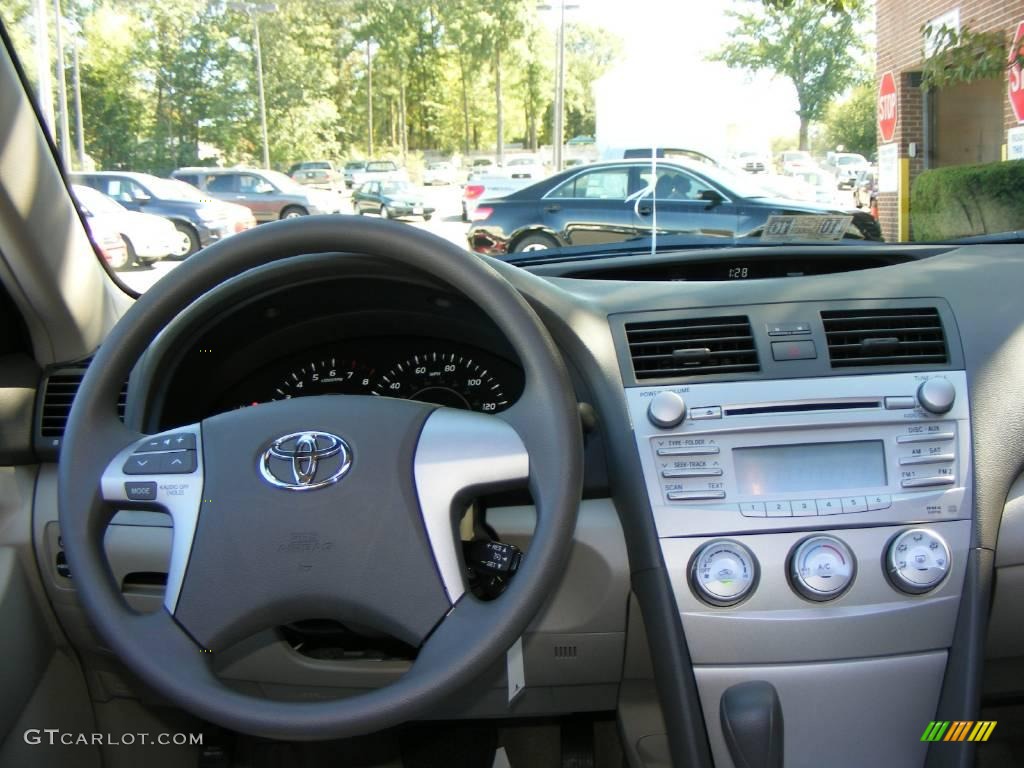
x,y
328,376
444,378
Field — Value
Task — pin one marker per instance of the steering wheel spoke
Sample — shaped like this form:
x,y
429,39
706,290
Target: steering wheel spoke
x,y
459,454
163,470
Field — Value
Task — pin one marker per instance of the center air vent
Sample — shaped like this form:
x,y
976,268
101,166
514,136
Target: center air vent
x,y
696,347
863,337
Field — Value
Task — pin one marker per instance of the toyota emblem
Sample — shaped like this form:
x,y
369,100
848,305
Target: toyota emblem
x,y
305,461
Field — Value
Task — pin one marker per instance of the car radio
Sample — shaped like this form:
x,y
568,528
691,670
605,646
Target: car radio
x,y
804,453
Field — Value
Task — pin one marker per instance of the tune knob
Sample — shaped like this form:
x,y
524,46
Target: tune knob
x,y
936,395
917,561
666,410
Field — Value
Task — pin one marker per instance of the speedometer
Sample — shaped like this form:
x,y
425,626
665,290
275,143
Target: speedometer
x,y
445,378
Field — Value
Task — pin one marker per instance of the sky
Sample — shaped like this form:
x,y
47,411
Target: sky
x,y
675,96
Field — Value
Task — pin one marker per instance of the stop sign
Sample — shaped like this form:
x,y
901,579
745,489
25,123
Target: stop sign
x,y
887,114
1015,77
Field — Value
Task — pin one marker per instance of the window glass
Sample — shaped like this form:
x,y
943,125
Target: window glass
x,y
605,184
224,182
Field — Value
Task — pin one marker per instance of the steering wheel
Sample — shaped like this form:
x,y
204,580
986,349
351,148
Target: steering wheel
x,y
330,507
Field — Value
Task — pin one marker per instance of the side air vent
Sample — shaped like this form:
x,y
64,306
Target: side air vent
x,y
874,337
58,393
696,347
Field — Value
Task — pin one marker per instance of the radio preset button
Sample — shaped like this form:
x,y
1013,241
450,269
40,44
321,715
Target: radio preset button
x,y
829,506
878,502
804,508
924,437
689,450
899,403
708,472
934,458
928,482
694,495
752,509
855,504
707,412
779,509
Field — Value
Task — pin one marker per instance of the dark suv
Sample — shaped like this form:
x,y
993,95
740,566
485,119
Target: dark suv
x,y
199,220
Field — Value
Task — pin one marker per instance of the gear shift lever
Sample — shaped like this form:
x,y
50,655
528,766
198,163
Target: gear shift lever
x,y
752,724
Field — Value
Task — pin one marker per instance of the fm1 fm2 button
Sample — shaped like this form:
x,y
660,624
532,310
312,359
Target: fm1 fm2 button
x,y
171,463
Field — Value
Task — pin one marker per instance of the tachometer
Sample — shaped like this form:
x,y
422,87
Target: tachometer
x,y
327,376
445,378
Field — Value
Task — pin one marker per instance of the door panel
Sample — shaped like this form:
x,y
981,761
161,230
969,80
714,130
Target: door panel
x,y
675,206
592,208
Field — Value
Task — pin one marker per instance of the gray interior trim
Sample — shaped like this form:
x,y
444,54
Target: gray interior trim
x,y
457,451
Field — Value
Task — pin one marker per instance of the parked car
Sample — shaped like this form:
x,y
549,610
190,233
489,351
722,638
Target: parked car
x,y
379,170
268,194
580,141
488,187
753,162
793,160
821,181
147,238
847,165
108,242
351,167
439,173
616,201
317,173
390,200
525,167
865,188
198,219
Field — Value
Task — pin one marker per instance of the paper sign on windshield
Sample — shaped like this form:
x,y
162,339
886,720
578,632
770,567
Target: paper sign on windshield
x,y
806,227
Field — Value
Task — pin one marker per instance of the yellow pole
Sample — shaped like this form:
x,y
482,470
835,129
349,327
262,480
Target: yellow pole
x,y
903,202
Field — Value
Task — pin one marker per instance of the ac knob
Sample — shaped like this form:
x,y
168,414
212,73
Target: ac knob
x,y
666,410
936,395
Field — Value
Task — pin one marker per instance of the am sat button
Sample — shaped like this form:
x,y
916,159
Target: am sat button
x,y
140,491
793,350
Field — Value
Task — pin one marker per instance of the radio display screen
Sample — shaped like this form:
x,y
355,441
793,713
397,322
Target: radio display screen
x,y
809,467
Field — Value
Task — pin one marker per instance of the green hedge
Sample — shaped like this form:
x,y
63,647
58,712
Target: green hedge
x,y
967,200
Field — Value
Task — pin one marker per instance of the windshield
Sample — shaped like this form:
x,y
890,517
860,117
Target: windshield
x,y
95,203
774,104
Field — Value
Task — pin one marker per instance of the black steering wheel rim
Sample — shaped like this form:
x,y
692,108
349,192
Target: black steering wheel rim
x,y
155,647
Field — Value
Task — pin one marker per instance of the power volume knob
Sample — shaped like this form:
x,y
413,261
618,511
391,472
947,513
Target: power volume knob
x,y
666,410
936,395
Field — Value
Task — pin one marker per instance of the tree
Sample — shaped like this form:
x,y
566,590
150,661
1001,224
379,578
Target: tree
x,y
852,123
813,44
589,53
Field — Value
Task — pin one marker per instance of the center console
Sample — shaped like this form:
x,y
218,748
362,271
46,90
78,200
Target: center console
x,y
815,527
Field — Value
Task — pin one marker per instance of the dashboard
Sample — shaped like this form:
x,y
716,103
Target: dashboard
x,y
372,336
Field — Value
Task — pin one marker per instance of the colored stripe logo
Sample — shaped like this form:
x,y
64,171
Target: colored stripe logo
x,y
958,730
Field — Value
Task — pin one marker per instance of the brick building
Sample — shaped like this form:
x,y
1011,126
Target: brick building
x,y
957,125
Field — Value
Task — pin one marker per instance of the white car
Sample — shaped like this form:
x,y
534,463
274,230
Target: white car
x,y
525,167
439,173
148,238
379,170
847,165
794,160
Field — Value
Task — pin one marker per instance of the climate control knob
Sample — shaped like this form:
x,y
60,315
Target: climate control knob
x,y
822,568
666,409
723,572
936,395
917,561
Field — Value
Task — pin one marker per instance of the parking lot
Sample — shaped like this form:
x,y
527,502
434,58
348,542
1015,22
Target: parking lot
x,y
446,222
